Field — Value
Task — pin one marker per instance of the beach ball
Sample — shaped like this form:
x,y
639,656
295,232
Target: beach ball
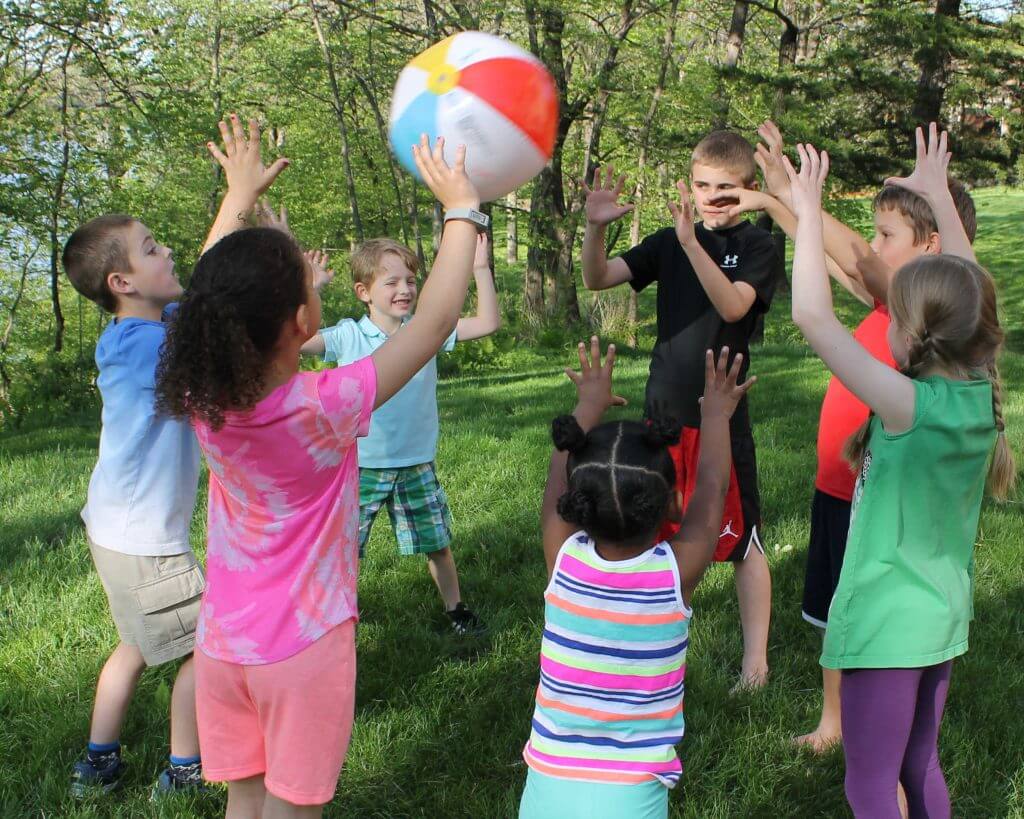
x,y
483,92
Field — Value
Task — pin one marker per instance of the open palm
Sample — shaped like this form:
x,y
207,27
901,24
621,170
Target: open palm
x,y
603,199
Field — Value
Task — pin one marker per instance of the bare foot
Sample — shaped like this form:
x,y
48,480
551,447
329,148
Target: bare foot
x,y
750,681
819,741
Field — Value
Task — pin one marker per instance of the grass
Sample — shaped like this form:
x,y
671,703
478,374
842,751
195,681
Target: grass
x,y
440,723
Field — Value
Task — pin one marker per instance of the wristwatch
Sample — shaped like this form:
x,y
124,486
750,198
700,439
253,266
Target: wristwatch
x,y
481,220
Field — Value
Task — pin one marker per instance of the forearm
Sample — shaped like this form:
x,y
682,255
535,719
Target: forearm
x,y
723,294
844,245
594,259
444,291
233,215
951,230
487,312
812,296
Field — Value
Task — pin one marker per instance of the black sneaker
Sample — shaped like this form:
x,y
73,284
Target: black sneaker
x,y
464,622
98,773
179,779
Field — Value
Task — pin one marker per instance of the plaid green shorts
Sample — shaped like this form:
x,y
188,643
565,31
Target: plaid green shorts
x,y
416,503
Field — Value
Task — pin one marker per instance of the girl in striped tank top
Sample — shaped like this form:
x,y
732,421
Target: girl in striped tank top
x,y
609,707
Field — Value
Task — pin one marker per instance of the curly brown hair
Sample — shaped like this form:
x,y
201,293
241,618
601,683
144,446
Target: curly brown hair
x,y
219,341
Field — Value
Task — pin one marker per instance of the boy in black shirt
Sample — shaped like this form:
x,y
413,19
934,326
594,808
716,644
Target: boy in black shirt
x,y
714,279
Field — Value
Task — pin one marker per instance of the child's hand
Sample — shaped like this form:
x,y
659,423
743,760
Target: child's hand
x,y
322,274
594,382
241,161
602,205
682,213
450,185
805,186
929,177
482,257
768,157
264,216
749,200
721,392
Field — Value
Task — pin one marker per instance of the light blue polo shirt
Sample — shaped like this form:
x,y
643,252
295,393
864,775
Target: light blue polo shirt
x,y
403,430
143,487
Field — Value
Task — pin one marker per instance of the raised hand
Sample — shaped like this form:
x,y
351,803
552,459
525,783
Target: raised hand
x,y
749,200
806,185
243,166
721,392
768,156
319,261
929,176
450,185
594,380
482,256
602,204
264,216
682,213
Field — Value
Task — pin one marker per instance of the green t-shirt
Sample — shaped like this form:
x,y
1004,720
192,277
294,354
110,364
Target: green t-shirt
x,y
905,594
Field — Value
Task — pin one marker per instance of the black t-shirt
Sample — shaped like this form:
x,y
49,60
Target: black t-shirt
x,y
688,323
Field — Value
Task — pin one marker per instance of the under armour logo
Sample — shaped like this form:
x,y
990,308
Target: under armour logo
x,y
730,261
728,530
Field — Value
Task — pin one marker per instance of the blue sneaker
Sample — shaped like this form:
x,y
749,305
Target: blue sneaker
x,y
179,779
99,773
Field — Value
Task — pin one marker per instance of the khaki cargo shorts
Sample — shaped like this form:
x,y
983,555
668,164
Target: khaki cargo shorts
x,y
154,600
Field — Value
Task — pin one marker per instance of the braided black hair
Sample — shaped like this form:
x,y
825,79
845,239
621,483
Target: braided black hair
x,y
621,477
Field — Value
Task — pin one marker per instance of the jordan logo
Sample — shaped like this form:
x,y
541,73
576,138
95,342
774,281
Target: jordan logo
x,y
730,260
728,530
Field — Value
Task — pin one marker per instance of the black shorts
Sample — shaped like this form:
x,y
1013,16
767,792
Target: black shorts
x,y
830,524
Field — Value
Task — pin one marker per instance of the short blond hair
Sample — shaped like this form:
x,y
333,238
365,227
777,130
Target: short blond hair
x,y
729,151
365,259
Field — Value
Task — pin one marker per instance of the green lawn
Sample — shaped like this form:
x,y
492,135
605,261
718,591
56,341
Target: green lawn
x,y
440,723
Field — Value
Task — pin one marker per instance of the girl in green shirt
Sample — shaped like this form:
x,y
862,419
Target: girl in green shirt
x,y
904,601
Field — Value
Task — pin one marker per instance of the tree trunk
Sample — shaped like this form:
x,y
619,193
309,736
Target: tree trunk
x,y
737,30
437,223
5,340
56,204
933,61
218,107
414,217
339,113
643,141
512,229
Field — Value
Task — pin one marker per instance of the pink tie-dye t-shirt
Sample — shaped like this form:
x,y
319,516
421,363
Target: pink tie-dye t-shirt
x,y
282,546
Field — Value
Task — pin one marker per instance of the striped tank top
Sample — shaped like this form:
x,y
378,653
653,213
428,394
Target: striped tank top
x,y
609,705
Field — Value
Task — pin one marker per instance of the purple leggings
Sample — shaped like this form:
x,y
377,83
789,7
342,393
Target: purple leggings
x,y
891,719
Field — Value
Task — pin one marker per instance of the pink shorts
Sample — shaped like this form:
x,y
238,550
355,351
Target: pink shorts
x,y
290,721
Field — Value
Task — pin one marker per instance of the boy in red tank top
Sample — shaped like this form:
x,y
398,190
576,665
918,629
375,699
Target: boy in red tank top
x,y
905,228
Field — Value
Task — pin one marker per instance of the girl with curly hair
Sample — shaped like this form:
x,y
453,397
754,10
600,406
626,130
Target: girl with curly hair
x,y
275,666
609,707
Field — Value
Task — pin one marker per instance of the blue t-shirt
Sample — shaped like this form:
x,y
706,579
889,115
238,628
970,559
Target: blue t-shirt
x,y
143,489
403,430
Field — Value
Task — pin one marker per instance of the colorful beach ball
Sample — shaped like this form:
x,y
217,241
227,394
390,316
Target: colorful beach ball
x,y
486,93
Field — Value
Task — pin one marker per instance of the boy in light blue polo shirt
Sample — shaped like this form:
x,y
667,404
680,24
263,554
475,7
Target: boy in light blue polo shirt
x,y
396,459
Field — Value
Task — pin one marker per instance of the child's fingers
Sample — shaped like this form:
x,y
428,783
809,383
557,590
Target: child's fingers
x,y
922,149
609,174
595,352
581,352
272,172
723,361
619,185
619,401
609,359
424,164
216,153
236,131
943,144
574,376
226,138
585,188
709,367
254,131
684,191
673,208
825,163
734,370
438,153
460,159
746,385
788,167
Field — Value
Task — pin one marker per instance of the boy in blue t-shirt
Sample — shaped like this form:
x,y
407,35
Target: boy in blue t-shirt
x,y
396,460
143,488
